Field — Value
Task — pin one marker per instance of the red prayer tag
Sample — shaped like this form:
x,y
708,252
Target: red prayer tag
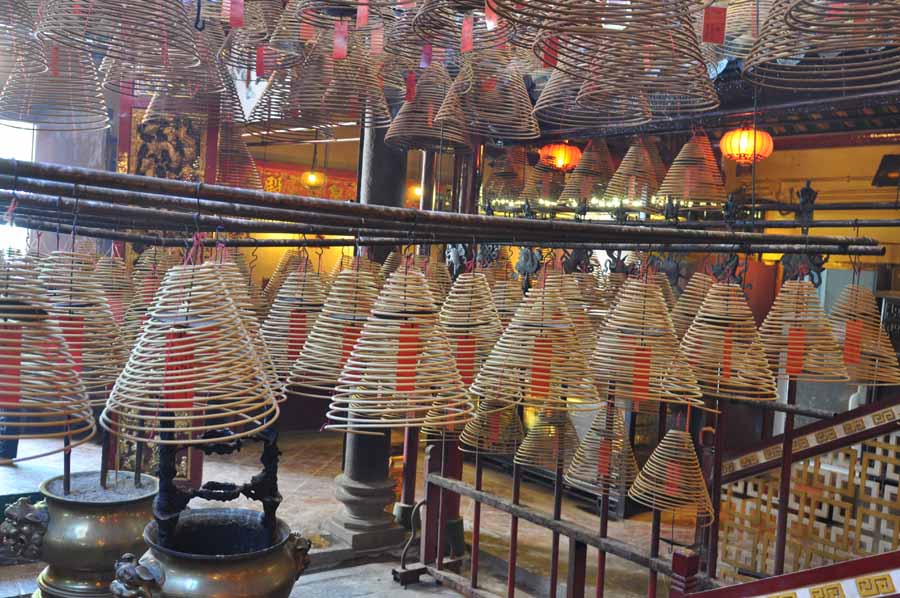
x,y
673,480
604,454
540,367
640,375
727,348
73,332
490,15
296,333
714,24
494,427
410,86
407,351
407,5
341,31
465,40
236,13
465,357
796,347
260,61
425,59
853,341
307,31
362,13
489,84
179,394
10,364
551,51
376,41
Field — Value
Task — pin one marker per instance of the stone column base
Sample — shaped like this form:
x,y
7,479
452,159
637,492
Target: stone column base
x,y
364,524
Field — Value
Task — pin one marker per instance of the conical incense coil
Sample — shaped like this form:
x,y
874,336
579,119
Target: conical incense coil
x,y
289,261
838,54
636,347
236,166
40,385
67,97
743,22
694,179
507,296
398,374
507,177
662,281
636,180
114,279
723,348
585,16
595,301
538,361
543,185
334,334
390,265
798,339
193,377
247,46
604,460
292,315
550,443
79,306
880,18
610,284
357,262
443,24
688,304
19,49
289,109
577,307
148,273
168,104
437,275
868,352
671,479
492,94
414,127
152,32
470,322
495,430
591,175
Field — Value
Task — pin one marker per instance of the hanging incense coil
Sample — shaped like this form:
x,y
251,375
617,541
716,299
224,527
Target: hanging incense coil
x,y
113,277
470,322
583,16
333,335
170,391
743,22
543,186
797,337
867,349
694,180
550,443
289,261
662,281
236,166
174,103
671,479
248,47
688,304
507,296
357,262
292,315
506,180
723,348
803,47
78,304
397,374
40,387
437,275
495,430
492,94
636,179
576,306
153,32
390,265
587,183
604,461
441,24
538,361
595,300
289,109
67,97
19,49
148,273
414,127
610,284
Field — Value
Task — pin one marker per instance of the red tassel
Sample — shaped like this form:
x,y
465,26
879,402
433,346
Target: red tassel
x,y
296,333
551,51
465,357
796,349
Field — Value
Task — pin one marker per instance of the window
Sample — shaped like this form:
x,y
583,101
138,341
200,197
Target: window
x,y
16,142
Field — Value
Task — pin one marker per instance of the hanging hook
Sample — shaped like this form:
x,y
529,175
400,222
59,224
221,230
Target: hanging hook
x,y
199,21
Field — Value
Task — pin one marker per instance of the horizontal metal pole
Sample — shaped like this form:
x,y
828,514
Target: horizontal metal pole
x,y
848,223
785,408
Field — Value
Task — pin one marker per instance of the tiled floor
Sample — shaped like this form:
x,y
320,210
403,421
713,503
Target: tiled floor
x,y
311,460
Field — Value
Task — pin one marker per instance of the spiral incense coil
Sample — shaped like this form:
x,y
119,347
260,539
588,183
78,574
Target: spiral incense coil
x,y
19,49
149,271
543,185
236,166
583,16
470,322
441,22
723,348
803,47
333,335
398,374
152,32
867,349
604,461
636,346
550,443
414,127
497,271
79,306
436,274
67,97
610,284
797,337
538,361
694,180
390,265
688,304
492,94
662,281
577,308
671,479
743,22
557,106
636,179
248,47
113,277
290,261
595,301
292,316
288,111
507,178
193,377
591,176
40,386
507,296
495,430
357,262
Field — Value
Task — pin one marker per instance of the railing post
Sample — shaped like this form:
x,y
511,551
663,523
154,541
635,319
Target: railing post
x,y
577,569
685,565
428,545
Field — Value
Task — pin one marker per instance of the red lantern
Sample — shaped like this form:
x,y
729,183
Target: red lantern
x,y
560,156
746,145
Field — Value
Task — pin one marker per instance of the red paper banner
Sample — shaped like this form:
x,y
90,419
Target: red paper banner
x,y
362,13
407,357
540,367
236,13
341,33
179,394
465,357
796,349
73,332
410,86
296,333
490,15
551,51
604,454
640,375
853,341
465,40
714,24
10,364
